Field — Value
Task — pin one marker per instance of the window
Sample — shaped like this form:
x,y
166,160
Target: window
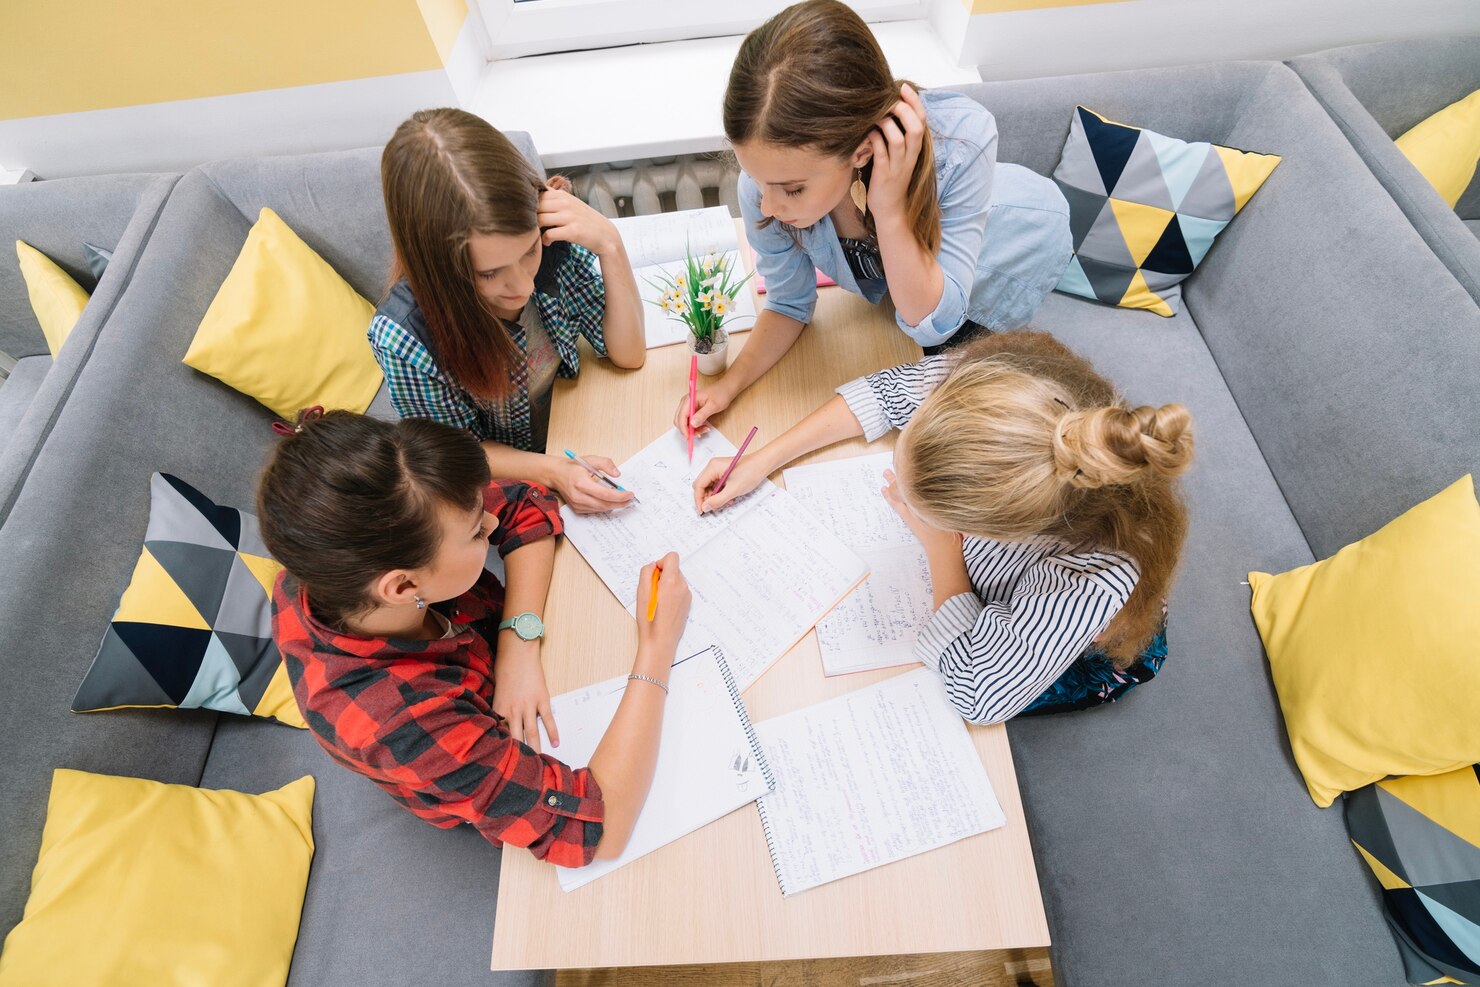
x,y
536,27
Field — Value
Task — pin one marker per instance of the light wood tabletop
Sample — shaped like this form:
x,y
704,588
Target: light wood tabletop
x,y
712,897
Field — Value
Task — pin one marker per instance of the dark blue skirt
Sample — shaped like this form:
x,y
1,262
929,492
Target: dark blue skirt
x,y
1093,679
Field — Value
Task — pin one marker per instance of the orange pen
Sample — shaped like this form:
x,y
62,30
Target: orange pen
x,y
653,596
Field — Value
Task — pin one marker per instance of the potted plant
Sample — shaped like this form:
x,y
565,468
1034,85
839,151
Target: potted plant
x,y
702,296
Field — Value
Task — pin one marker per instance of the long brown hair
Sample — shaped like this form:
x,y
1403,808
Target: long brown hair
x,y
814,77
447,174
349,498
1025,439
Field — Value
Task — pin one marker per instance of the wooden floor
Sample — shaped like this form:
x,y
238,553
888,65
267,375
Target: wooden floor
x,y
1004,968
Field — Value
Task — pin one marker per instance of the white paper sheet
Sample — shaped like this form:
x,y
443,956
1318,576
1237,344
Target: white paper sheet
x,y
707,766
875,776
762,571
876,625
657,245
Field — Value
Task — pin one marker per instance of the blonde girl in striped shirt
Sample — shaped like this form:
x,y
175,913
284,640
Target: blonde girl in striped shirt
x,y
1049,511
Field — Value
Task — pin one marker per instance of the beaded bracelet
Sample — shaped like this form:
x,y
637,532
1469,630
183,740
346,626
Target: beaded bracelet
x,y
648,678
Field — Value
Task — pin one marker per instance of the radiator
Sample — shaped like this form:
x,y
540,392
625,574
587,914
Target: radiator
x,y
637,188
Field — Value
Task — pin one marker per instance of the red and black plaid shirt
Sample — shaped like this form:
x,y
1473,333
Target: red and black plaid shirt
x,y
416,717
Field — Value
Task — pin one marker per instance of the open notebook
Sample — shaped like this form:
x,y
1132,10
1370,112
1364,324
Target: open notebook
x,y
709,763
658,244
762,571
869,778
876,626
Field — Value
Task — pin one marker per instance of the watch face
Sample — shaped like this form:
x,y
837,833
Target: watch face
x,y
528,626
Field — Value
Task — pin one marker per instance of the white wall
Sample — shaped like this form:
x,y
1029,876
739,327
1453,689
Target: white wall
x,y
1143,33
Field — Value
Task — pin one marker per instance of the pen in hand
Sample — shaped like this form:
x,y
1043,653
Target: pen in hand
x,y
600,475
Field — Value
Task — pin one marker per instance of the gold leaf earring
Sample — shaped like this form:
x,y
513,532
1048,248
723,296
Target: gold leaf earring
x,y
859,192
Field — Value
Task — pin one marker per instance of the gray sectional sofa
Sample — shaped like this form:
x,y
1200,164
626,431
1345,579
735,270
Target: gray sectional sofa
x,y
115,212
1376,93
1326,353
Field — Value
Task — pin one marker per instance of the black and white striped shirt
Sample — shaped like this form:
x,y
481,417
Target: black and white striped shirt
x,y
1037,604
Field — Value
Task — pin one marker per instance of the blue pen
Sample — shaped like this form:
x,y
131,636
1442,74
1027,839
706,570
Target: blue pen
x,y
600,475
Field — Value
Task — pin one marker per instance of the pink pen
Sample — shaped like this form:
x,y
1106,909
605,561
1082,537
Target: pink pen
x,y
688,425
738,453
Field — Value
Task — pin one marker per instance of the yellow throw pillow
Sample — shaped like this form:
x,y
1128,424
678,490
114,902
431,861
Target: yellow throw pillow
x,y
286,329
56,299
1446,147
143,883
1373,650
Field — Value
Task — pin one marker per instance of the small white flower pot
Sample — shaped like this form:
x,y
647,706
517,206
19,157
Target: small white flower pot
x,y
712,361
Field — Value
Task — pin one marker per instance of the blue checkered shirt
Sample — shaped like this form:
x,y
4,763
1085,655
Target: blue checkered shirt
x,y
573,307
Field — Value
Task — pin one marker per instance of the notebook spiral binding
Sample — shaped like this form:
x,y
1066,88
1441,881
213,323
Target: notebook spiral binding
x,y
760,756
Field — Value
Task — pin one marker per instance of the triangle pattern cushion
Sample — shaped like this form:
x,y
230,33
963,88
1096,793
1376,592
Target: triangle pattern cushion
x,y
1445,147
193,628
1418,834
286,329
1166,198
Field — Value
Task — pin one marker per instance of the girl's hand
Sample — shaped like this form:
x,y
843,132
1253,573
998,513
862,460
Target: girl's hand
x,y
930,536
708,402
564,217
896,147
583,492
748,474
520,695
668,622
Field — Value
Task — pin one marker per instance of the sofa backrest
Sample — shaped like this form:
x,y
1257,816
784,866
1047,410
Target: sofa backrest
x,y
78,520
116,212
1350,349
1375,93
57,218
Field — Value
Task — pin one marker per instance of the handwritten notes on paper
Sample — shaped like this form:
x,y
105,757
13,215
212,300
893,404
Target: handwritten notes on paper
x,y
876,625
762,571
657,246
869,778
707,767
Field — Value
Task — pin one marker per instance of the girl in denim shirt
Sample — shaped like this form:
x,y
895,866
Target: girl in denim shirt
x,y
884,189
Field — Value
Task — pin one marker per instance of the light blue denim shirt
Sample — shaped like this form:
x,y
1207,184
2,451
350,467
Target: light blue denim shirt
x,y
1004,234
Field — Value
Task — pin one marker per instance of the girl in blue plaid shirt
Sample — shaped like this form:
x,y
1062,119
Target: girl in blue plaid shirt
x,y
497,274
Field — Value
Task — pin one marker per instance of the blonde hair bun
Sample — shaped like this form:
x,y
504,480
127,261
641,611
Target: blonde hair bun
x,y
1116,445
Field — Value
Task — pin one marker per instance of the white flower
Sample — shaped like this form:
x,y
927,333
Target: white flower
x,y
721,304
681,307
664,303
708,264
682,281
705,298
710,281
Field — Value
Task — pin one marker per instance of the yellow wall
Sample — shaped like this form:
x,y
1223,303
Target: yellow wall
x,y
66,56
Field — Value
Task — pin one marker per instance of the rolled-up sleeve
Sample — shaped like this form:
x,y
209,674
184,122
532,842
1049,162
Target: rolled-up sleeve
x,y
889,398
462,760
965,194
526,512
996,658
791,278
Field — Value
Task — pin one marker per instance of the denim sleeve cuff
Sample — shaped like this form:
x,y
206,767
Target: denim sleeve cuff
x,y
955,617
941,324
802,313
864,404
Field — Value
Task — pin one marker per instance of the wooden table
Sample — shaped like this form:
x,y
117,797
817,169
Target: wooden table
x,y
967,913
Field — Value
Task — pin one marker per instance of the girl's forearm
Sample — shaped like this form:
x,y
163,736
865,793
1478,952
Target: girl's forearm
x,y
527,572
624,761
774,334
506,461
622,324
915,278
832,422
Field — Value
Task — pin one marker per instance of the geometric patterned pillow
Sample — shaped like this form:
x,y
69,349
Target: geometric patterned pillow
x,y
194,627
1144,208
1421,837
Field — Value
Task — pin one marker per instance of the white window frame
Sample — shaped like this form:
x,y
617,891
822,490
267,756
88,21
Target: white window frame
x,y
544,26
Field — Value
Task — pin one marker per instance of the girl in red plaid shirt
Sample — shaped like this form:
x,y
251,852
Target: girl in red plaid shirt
x,y
402,649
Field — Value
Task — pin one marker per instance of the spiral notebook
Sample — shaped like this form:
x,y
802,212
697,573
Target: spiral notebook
x,y
871,777
709,761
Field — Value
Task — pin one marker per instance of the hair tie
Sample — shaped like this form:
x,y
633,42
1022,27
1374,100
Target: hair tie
x,y
304,417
